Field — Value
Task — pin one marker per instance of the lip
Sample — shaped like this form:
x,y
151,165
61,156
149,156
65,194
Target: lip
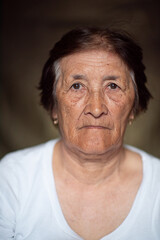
x,y
94,127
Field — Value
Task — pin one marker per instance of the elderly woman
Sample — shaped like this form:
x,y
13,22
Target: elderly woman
x,y
87,184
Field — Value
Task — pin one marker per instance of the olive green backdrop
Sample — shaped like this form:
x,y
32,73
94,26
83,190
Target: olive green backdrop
x,y
29,30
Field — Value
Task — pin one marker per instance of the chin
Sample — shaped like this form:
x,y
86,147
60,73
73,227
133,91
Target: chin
x,y
95,147
94,144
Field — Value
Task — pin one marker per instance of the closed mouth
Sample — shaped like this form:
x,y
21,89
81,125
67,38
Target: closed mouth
x,y
94,127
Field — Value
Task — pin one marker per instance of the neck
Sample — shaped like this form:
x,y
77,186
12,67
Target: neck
x,y
89,169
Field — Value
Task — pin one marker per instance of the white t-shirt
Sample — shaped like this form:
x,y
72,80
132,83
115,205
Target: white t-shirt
x,y
30,210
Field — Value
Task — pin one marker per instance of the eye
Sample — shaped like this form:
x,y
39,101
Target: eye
x,y
113,86
76,86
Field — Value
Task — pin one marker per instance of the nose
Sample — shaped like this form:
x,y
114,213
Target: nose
x,y
96,105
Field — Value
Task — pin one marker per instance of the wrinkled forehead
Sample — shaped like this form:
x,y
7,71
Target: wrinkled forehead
x,y
99,66
93,61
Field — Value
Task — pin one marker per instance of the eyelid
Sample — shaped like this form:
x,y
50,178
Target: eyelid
x,y
115,83
115,87
77,82
80,85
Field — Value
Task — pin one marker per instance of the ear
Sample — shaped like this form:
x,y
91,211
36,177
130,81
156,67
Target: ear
x,y
54,117
131,116
54,114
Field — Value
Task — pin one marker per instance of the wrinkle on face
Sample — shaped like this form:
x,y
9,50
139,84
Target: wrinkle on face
x,y
94,70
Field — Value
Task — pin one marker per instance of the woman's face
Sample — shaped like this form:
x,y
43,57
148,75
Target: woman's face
x,y
95,96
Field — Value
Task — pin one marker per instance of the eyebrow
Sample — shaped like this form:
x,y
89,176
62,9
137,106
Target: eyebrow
x,y
79,76
110,77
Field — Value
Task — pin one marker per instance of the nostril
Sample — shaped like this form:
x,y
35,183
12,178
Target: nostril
x,y
96,110
96,105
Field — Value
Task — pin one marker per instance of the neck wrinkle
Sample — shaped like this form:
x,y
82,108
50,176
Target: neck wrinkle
x,y
104,167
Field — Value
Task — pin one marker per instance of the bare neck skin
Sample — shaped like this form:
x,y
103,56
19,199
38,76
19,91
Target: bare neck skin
x,y
87,169
96,196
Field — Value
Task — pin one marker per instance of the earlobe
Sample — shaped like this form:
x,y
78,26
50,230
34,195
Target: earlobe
x,y
54,116
55,121
131,118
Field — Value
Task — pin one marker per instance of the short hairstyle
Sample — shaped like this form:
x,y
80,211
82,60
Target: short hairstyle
x,y
84,39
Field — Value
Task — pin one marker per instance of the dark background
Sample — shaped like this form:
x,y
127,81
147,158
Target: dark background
x,y
30,29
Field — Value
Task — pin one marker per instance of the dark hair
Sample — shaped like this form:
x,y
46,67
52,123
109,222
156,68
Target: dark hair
x,y
83,39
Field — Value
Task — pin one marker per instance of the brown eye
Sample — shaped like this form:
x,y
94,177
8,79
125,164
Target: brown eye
x,y
76,86
113,86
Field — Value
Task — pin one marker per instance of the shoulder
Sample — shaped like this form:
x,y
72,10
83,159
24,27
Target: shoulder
x,y
21,181
24,162
20,169
27,155
146,157
151,167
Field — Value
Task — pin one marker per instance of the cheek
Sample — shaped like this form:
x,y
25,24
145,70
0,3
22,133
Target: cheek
x,y
63,114
65,119
70,105
115,96
68,113
122,108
